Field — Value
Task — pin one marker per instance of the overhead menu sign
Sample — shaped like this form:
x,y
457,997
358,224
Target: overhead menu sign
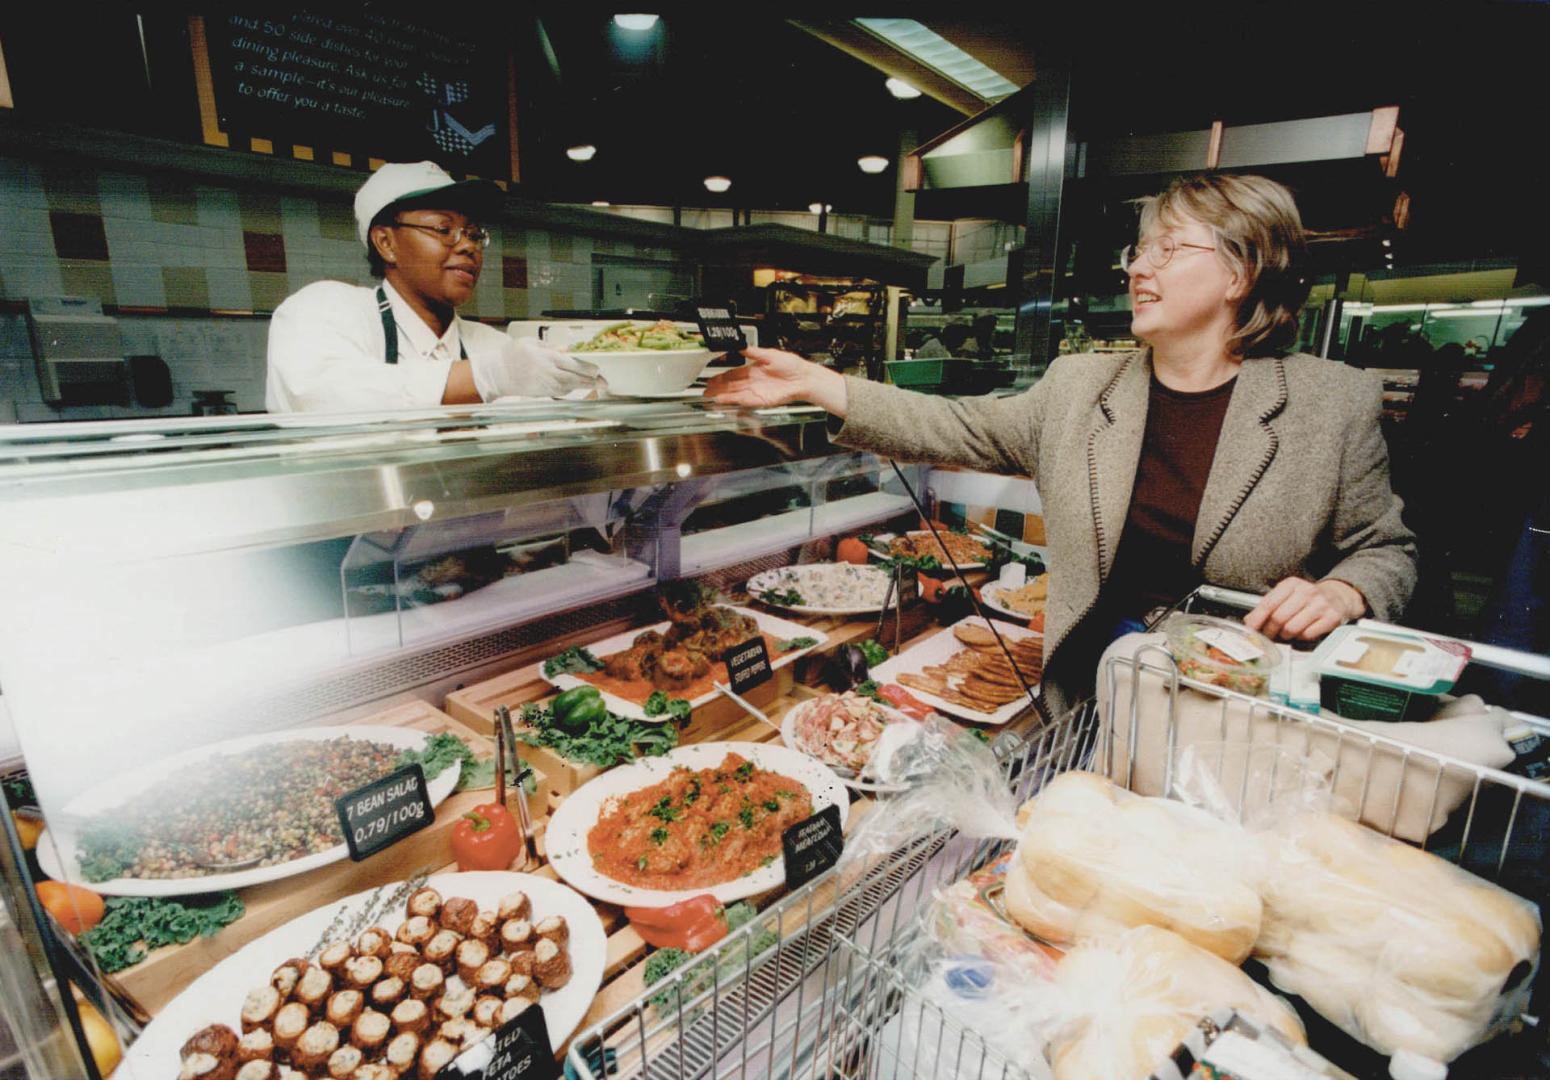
x,y
369,82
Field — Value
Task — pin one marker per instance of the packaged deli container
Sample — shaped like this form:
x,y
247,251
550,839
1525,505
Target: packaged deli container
x,y
1370,674
1221,653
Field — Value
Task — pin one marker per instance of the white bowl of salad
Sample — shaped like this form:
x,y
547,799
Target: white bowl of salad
x,y
645,359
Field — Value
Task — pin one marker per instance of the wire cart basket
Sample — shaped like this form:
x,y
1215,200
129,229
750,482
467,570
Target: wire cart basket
x,y
807,990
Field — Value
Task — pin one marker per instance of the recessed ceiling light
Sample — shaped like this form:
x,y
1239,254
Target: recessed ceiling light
x,y
925,45
1387,242
599,202
582,152
872,163
718,184
901,89
635,22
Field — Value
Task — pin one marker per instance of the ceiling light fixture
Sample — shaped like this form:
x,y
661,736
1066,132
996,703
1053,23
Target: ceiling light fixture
x,y
718,184
815,208
872,163
581,152
915,40
635,22
900,89
1387,242
599,202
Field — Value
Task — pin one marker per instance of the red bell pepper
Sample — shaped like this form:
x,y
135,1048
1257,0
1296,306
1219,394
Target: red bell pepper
x,y
486,839
692,925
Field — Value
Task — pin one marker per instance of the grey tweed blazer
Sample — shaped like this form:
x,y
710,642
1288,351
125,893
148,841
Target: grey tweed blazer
x,y
1299,485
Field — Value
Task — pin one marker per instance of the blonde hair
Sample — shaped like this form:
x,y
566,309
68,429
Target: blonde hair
x,y
1259,236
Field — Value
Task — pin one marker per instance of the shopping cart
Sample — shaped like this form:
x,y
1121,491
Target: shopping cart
x,y
808,990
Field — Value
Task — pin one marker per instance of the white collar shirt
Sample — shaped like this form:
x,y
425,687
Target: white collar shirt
x,y
327,352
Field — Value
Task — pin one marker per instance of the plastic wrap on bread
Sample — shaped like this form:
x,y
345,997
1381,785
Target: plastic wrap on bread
x,y
954,782
1397,947
1094,860
1126,1003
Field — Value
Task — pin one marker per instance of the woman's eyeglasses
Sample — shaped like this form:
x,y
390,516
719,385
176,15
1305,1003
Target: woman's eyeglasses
x,y
1160,251
452,236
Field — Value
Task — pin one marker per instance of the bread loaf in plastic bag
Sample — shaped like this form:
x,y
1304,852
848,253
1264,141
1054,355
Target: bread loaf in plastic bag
x,y
1094,860
1397,947
1125,1004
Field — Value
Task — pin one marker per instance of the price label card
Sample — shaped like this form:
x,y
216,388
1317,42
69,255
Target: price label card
x,y
720,329
748,665
383,812
521,1049
812,846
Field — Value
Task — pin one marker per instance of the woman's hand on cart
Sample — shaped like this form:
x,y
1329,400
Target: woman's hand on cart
x,y
1297,609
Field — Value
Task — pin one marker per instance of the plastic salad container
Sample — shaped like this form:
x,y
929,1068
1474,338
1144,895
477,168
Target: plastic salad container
x,y
1221,653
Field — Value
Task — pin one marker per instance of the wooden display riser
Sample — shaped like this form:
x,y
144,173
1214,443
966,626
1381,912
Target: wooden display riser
x,y
158,979
164,973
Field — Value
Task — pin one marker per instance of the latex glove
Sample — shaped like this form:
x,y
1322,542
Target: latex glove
x,y
528,369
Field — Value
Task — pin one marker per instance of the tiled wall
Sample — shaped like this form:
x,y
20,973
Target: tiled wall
x,y
147,241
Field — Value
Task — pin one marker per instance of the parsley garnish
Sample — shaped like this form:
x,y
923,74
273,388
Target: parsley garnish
x,y
744,772
745,815
659,836
796,643
665,810
134,924
781,597
772,805
570,661
610,740
873,651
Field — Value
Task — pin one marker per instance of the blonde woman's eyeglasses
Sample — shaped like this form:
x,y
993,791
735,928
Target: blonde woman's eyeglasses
x,y
1160,251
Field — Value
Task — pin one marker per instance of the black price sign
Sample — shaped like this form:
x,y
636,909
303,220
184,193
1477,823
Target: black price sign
x,y
522,1050
812,846
383,812
748,665
720,329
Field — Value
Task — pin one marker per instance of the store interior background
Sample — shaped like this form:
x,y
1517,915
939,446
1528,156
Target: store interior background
x,y
107,192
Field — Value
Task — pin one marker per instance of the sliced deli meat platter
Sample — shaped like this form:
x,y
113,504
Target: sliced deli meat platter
x,y
963,670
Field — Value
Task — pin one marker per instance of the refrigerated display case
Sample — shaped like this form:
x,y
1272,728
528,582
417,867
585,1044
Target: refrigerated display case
x,y
221,624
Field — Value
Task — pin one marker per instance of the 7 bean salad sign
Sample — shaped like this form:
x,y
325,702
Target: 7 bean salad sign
x,y
383,812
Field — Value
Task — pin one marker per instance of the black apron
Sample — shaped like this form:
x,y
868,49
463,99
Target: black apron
x,y
390,331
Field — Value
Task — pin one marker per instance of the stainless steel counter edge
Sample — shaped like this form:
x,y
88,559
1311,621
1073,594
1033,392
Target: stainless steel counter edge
x,y
167,502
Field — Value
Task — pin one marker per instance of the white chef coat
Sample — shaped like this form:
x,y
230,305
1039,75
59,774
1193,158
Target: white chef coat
x,y
327,352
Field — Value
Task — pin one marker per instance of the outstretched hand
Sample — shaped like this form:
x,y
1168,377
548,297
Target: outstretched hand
x,y
776,377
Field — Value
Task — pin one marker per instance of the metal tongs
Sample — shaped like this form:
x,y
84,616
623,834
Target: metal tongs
x,y
895,594
506,742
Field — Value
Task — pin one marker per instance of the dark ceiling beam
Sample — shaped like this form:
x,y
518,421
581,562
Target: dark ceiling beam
x,y
851,39
996,45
